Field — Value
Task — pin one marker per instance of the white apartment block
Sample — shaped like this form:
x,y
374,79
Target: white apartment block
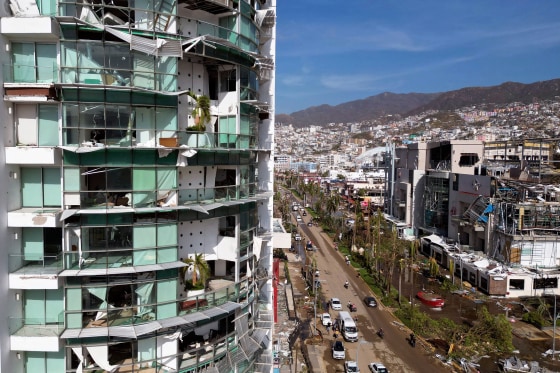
x,y
136,171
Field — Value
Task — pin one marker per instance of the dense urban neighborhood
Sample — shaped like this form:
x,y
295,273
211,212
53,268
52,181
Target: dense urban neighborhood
x,y
476,191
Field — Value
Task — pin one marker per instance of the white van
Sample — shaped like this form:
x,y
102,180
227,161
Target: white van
x,y
348,327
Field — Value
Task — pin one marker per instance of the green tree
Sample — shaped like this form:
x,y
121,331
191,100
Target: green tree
x,y
199,270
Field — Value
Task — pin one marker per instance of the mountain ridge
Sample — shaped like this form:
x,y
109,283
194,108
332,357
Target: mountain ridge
x,y
405,104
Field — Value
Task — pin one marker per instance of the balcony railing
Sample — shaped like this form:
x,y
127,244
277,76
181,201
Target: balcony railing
x,y
35,327
169,198
23,264
120,137
138,314
39,74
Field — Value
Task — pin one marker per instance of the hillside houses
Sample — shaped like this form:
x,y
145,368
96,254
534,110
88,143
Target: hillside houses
x,y
484,197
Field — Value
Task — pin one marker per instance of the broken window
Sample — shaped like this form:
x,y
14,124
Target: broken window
x,y
545,283
227,226
468,159
517,284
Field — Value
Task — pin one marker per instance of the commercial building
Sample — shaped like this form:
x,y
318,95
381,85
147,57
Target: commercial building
x,y
488,212
136,173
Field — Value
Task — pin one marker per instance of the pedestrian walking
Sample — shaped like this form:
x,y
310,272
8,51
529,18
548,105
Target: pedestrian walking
x,y
328,327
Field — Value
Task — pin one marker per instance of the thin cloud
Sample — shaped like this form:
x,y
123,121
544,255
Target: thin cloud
x,y
364,82
293,80
348,82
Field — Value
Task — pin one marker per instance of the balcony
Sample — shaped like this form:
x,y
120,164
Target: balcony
x,y
210,6
39,273
35,334
121,138
30,28
186,310
33,155
121,201
34,217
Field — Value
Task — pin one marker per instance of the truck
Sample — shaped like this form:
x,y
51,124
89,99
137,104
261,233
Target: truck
x,y
348,327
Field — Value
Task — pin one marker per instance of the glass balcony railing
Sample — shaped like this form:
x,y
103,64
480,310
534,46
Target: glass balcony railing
x,y
39,74
26,264
138,314
163,19
168,198
119,138
36,327
232,37
196,353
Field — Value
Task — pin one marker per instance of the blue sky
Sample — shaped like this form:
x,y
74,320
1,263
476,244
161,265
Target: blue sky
x,y
330,52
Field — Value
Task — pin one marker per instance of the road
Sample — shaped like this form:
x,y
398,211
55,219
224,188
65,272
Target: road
x,y
393,350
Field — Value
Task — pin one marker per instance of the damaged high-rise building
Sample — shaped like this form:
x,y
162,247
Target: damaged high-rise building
x,y
136,173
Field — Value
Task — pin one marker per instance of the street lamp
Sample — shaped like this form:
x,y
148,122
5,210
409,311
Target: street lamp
x,y
554,329
461,259
314,302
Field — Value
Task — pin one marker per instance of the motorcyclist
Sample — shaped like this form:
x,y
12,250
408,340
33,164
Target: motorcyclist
x,y
380,332
346,284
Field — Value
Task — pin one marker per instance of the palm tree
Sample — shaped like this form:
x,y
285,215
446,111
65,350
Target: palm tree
x,y
199,269
201,111
332,203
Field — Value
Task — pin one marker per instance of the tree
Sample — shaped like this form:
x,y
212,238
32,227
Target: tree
x,y
198,269
201,111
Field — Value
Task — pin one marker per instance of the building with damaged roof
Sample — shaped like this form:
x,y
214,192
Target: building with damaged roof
x,y
494,217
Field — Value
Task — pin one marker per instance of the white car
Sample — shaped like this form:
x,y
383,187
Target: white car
x,y
326,319
338,351
377,368
297,237
351,367
335,304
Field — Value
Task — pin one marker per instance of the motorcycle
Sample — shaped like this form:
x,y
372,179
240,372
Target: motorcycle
x,y
346,284
380,333
412,340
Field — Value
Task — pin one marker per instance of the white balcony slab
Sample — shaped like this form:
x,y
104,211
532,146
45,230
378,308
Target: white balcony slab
x,y
32,28
44,343
35,217
33,281
33,155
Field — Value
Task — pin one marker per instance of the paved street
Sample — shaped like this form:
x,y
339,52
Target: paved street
x,y
393,350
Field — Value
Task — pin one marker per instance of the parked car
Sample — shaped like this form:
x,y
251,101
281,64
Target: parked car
x,y
351,367
338,351
370,301
377,368
335,304
326,319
